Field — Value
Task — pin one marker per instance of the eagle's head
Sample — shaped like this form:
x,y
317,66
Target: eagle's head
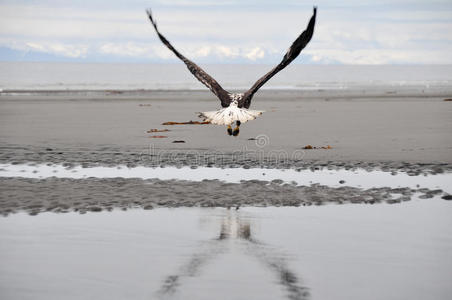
x,y
236,98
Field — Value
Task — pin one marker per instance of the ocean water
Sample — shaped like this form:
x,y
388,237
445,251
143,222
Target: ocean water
x,y
340,252
90,76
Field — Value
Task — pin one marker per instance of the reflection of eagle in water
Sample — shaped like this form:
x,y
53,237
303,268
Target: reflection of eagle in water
x,y
236,233
235,105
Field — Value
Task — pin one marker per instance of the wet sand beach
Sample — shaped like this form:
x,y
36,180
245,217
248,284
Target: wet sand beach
x,y
349,130
109,127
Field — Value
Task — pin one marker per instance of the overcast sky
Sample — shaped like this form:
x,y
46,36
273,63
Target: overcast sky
x,y
227,31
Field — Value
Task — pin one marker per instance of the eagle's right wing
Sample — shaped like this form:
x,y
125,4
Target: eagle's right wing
x,y
291,54
199,73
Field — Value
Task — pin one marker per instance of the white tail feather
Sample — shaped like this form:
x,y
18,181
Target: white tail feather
x,y
228,115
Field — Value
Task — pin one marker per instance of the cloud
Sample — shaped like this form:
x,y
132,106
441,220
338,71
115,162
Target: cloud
x,y
56,48
255,53
377,56
357,32
128,49
217,51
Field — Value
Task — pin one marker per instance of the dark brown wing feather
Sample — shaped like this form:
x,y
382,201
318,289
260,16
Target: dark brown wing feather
x,y
199,73
291,54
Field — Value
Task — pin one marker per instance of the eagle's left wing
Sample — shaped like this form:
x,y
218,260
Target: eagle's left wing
x,y
199,73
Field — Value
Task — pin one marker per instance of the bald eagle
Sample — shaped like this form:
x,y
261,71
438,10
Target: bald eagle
x,y
235,106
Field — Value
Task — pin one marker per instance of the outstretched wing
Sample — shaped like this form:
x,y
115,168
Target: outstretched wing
x,y
199,73
291,54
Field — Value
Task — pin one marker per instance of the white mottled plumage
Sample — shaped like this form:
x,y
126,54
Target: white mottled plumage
x,y
230,114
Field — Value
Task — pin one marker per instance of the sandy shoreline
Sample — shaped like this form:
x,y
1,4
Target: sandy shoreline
x,y
113,128
378,131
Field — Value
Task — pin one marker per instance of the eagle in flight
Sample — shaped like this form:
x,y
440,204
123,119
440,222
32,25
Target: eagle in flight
x,y
235,106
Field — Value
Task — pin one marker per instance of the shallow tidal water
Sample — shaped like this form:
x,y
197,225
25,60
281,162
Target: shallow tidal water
x,y
400,251
355,178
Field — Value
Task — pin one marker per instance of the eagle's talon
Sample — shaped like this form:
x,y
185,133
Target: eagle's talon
x,y
236,131
229,130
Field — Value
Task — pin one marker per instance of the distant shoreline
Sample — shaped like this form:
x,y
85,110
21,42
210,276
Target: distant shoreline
x,y
320,93
51,77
